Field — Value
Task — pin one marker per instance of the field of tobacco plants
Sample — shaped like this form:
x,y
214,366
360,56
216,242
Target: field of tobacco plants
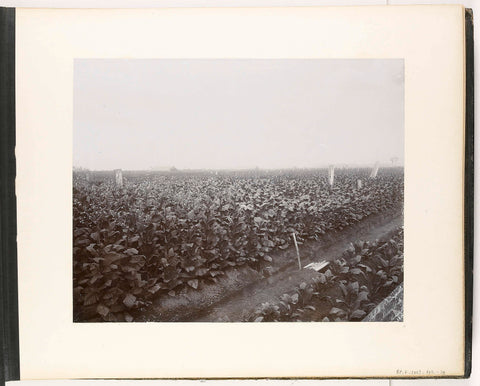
x,y
167,234
348,290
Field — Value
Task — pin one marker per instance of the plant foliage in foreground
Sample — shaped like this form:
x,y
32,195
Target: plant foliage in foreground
x,y
352,286
162,234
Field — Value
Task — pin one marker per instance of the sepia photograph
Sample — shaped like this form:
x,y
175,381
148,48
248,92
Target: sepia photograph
x,y
238,190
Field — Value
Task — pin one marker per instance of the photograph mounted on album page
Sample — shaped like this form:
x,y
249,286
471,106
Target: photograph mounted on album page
x,y
202,192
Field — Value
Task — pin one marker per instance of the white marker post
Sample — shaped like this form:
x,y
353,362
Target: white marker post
x,y
331,174
374,172
359,184
118,178
298,253
88,176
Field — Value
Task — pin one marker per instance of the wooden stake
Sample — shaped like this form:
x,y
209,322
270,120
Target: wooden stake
x,y
118,178
374,172
331,174
298,253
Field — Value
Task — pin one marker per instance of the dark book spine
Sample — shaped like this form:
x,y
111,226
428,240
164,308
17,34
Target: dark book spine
x,y
10,369
469,199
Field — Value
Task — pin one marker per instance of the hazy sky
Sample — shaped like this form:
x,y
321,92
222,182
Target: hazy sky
x,y
240,113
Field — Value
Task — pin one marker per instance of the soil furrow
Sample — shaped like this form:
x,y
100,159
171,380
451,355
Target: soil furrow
x,y
234,297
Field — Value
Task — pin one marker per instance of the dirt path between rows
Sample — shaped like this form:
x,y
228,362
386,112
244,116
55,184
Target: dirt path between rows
x,y
240,292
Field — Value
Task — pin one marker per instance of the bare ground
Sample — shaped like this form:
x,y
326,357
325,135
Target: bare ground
x,y
236,295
